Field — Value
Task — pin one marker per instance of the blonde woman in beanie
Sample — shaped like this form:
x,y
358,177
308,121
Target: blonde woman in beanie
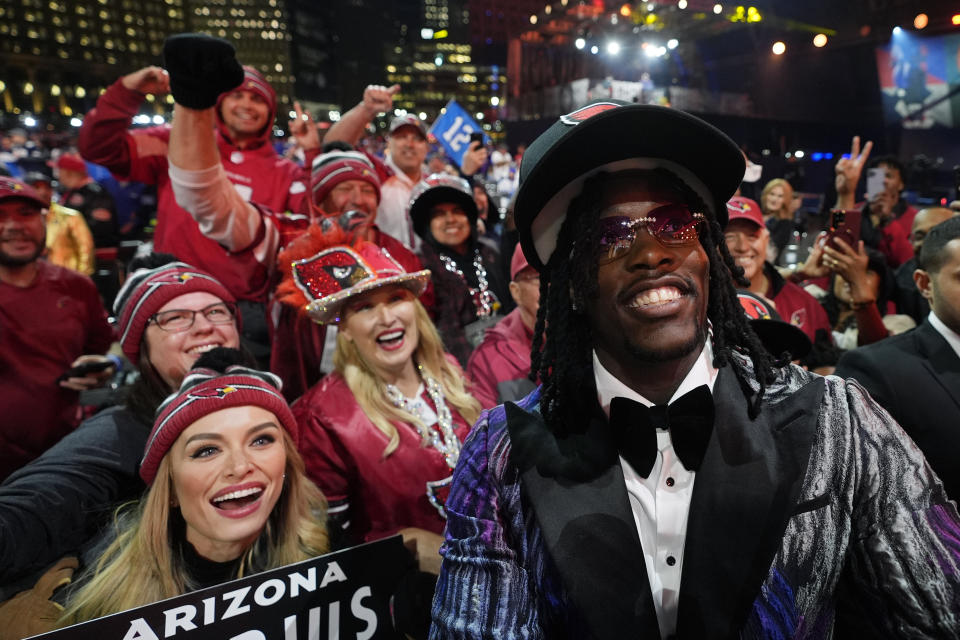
x,y
227,496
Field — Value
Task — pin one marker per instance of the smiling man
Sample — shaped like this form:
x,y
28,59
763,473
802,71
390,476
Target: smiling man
x,y
668,479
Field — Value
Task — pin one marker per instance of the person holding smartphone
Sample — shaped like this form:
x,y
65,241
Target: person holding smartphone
x,y
886,218
50,317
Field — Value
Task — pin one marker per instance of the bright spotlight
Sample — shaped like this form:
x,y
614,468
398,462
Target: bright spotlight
x,y
626,10
921,21
820,40
779,48
495,101
426,33
533,19
672,43
613,47
75,122
799,153
955,20
594,49
422,115
682,4
158,119
29,121
897,31
718,8
580,43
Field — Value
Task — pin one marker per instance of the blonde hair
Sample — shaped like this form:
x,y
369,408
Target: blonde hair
x,y
370,392
142,565
787,196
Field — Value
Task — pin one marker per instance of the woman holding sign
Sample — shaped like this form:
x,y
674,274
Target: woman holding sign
x,y
382,433
444,215
227,495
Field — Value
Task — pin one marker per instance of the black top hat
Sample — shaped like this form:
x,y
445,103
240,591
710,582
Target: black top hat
x,y
611,136
776,335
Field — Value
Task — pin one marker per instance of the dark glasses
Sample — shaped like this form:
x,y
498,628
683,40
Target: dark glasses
x,y
673,225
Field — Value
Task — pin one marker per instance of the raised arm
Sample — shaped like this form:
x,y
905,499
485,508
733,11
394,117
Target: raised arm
x,y
104,138
376,99
201,68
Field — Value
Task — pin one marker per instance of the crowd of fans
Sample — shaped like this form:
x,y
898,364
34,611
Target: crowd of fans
x,y
379,290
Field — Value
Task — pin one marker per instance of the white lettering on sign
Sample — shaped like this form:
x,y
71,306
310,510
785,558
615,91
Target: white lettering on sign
x,y
235,598
260,595
250,635
363,613
333,621
333,574
456,136
140,630
179,618
298,581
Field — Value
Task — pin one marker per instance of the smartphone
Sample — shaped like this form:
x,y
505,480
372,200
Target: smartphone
x,y
844,225
875,177
84,368
476,136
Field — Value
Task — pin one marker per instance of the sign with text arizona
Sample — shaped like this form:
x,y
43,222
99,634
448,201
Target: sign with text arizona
x,y
340,595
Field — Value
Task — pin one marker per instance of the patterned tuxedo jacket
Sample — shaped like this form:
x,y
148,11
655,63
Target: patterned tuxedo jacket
x,y
820,504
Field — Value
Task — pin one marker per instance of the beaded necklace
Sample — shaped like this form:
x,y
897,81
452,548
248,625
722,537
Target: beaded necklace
x,y
449,444
483,298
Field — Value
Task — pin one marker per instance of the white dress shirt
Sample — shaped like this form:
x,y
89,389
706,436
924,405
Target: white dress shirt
x,y
661,501
951,336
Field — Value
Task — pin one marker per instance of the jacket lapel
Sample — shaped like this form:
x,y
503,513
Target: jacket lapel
x,y
743,496
576,488
941,360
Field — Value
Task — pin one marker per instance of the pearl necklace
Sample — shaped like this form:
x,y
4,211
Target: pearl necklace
x,y
483,298
449,444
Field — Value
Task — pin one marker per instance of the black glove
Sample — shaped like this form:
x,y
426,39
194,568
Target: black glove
x,y
201,67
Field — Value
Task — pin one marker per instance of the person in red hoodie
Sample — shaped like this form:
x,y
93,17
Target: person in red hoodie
x,y
344,190
245,110
500,366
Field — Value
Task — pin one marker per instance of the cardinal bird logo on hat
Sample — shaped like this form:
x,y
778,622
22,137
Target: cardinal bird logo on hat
x,y
219,392
754,309
586,112
330,271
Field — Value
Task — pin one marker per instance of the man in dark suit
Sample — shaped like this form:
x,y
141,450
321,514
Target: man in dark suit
x,y
668,478
916,375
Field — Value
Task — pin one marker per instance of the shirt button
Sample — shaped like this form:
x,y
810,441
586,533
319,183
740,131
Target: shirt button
x,y
670,482
671,561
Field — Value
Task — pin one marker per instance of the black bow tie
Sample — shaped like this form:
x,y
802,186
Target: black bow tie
x,y
689,419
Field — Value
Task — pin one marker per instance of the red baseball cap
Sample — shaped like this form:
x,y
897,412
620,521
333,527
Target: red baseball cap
x,y
518,262
742,208
11,188
71,162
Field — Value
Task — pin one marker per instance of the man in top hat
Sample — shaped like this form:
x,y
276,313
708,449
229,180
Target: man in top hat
x,y
406,151
50,316
668,478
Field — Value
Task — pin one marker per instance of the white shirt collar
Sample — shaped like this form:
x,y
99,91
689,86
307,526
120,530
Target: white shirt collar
x,y
951,336
609,387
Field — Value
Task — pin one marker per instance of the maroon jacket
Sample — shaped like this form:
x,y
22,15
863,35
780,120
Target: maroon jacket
x,y
795,305
258,172
343,454
43,328
500,366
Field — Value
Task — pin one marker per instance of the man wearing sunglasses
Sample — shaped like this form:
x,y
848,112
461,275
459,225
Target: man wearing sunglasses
x,y
669,478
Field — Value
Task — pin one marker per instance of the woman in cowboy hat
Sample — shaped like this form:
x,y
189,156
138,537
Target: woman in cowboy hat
x,y
382,433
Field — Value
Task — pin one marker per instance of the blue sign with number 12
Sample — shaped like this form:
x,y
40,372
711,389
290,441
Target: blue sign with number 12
x,y
453,128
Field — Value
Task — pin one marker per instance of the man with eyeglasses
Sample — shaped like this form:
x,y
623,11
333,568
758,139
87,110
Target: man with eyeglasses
x,y
669,478
50,317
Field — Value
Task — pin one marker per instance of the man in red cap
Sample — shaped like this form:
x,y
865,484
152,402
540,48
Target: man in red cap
x,y
500,366
245,109
49,317
83,193
406,151
747,239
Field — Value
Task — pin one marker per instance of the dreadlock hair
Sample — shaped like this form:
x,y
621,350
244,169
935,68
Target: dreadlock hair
x,y
562,357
